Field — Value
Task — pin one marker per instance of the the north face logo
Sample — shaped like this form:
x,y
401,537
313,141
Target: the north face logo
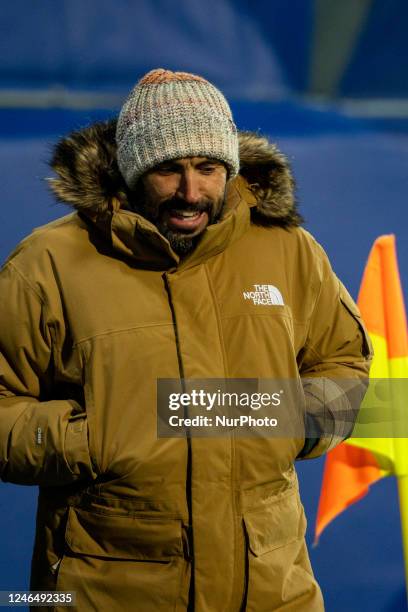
x,y
264,295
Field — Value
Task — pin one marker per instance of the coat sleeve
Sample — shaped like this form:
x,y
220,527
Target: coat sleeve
x,y
41,442
334,364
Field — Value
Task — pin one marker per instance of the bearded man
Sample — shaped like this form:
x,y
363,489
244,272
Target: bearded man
x,y
183,259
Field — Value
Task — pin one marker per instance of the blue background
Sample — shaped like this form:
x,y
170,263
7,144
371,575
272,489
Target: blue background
x,y
350,164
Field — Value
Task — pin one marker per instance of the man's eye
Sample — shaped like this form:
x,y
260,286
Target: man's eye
x,y
165,170
207,169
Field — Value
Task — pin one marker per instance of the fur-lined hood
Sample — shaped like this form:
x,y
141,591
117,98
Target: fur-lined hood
x,y
89,177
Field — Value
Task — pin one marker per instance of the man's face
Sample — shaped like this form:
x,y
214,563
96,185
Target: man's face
x,y
181,197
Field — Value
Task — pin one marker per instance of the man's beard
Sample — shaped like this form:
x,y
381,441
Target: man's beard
x,y
181,242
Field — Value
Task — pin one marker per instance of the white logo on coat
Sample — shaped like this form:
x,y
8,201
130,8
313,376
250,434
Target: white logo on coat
x,y
264,295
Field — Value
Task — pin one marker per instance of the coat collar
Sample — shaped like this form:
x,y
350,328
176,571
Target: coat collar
x,y
88,179
134,237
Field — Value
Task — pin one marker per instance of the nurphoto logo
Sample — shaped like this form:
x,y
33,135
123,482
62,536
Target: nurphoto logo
x,y
264,295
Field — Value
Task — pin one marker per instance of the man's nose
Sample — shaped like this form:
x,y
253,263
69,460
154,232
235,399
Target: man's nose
x,y
189,188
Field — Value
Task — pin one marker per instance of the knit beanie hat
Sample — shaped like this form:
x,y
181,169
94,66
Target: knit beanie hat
x,y
171,115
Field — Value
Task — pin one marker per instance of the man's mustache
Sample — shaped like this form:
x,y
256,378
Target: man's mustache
x,y
180,204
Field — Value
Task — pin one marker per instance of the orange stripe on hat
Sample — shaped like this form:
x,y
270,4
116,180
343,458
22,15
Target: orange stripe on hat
x,y
160,75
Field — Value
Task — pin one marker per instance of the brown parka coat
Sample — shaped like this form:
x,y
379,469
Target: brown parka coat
x,y
95,308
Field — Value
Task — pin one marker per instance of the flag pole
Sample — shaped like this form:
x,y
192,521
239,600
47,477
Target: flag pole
x,y
400,447
398,394
398,370
403,504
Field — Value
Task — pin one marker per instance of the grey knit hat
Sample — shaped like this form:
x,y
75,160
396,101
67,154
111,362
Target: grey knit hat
x,y
171,115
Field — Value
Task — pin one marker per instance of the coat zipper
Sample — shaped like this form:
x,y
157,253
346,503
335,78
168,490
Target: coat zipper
x,y
189,450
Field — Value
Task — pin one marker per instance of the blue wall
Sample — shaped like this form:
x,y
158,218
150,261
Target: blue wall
x,y
378,63
252,50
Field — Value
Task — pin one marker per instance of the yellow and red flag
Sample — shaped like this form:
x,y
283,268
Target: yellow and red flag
x,y
357,463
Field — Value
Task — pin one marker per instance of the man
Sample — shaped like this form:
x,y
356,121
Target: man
x,y
184,260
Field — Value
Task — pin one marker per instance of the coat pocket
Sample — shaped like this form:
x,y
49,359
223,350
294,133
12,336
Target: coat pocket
x,y
352,308
125,537
278,567
275,524
117,562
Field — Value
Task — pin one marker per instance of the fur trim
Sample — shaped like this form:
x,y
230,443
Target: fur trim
x,y
88,176
269,178
88,173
